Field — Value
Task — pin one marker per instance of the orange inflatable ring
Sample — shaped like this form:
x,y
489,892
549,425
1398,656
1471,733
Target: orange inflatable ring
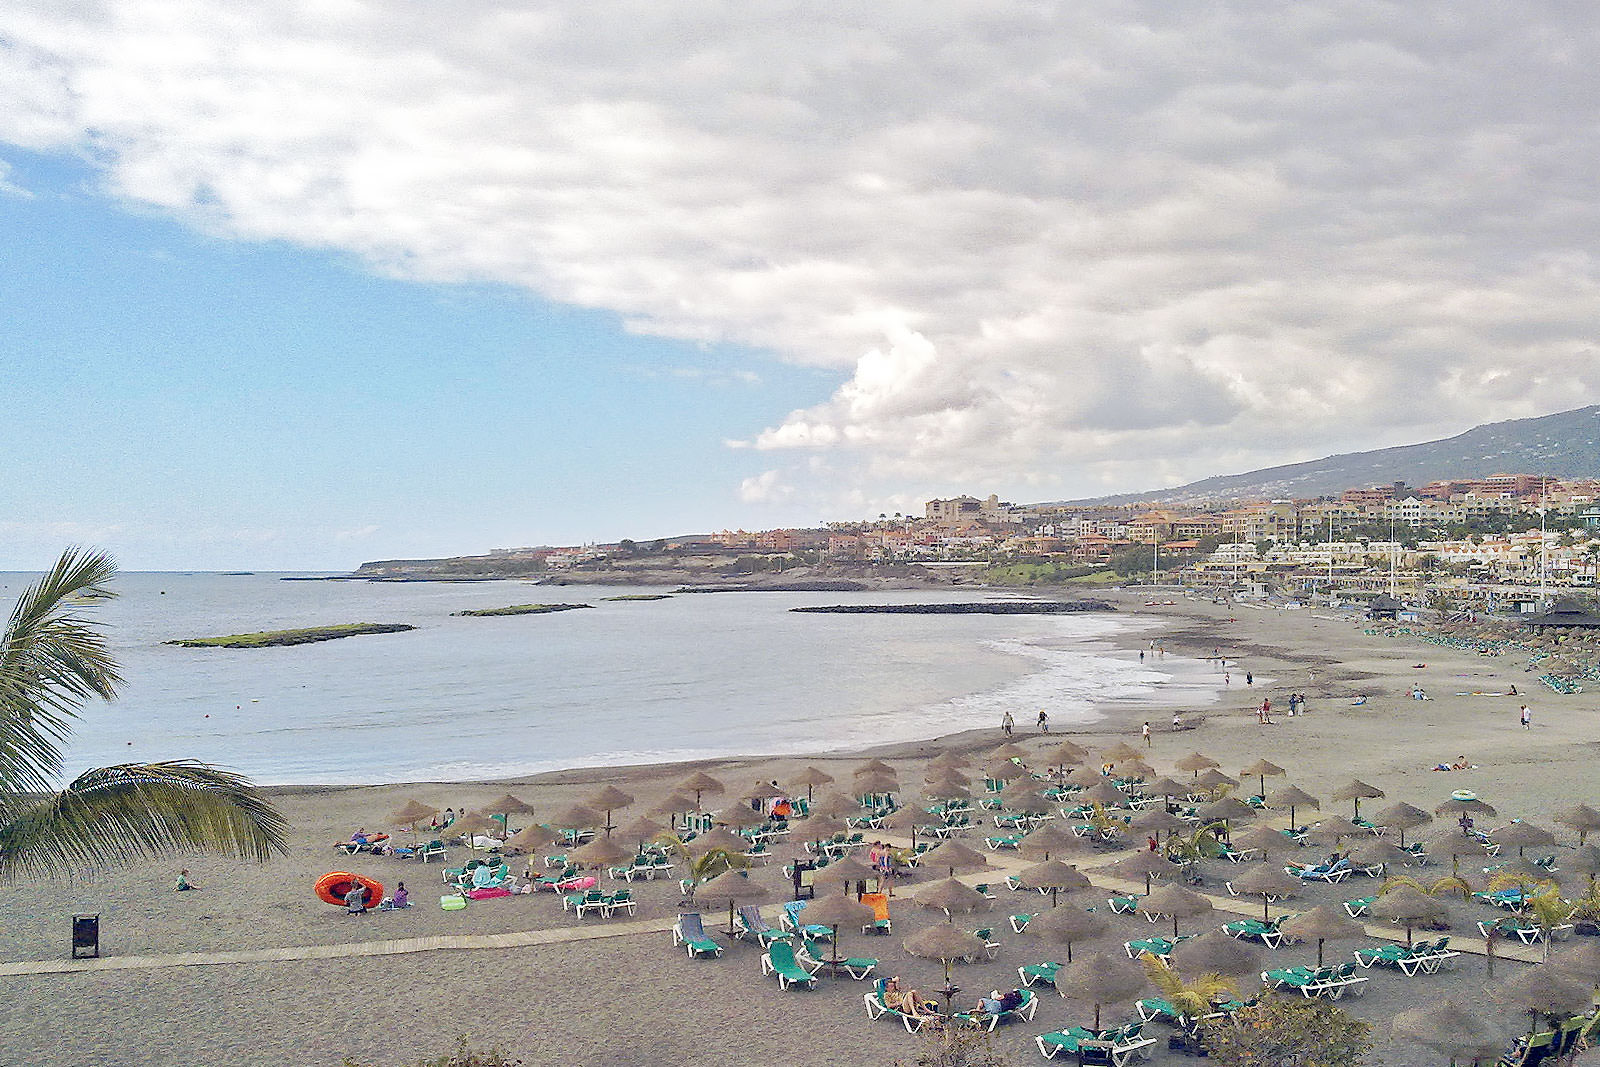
x,y
333,886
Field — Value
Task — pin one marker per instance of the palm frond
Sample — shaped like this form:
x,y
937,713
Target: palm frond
x,y
52,659
117,815
1396,881
1192,998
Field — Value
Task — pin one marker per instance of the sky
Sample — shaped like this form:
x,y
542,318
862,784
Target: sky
x,y
294,285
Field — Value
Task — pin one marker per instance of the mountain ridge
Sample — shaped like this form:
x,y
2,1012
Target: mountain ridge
x,y
1564,444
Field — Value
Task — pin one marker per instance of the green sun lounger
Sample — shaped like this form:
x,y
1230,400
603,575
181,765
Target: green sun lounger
x,y
689,931
780,961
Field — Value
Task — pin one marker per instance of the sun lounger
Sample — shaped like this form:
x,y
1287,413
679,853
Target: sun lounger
x,y
1358,907
987,1021
689,931
879,903
1529,1049
1044,973
1330,982
1020,921
755,928
1156,946
621,900
857,967
913,1021
433,849
1128,905
997,842
790,920
1336,872
780,961
1524,930
1113,1047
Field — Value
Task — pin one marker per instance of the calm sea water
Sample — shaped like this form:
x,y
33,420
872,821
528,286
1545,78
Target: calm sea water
x,y
682,678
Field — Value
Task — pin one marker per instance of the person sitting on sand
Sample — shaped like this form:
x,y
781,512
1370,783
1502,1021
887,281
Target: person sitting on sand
x,y
1513,691
1358,701
401,899
355,901
183,881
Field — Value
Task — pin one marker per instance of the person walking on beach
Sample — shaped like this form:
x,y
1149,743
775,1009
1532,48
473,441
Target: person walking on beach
x,y
1249,678
1044,721
1266,712
1006,723
1144,732
1527,717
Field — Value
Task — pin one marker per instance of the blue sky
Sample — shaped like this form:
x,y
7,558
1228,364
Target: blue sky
x,y
298,285
191,401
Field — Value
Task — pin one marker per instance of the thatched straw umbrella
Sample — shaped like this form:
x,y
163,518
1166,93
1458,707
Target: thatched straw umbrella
x,y
1357,790
1121,752
837,910
733,887
819,827
1545,990
1227,810
1579,817
1063,926
1266,882
1049,840
948,787
1376,851
1022,798
1158,821
1177,902
945,943
1168,788
1103,978
1293,797
1217,953
836,804
470,824
952,897
1055,876
1146,865
811,777
739,817
873,766
1322,923
1585,860
1135,768
1580,960
844,873
1003,770
608,799
642,829
601,852
1065,754
1106,795
1263,839
1215,779
1402,817
954,856
1408,907
529,839
875,784
676,804
1009,751
1085,777
763,791
1460,806
413,812
1521,835
718,839
1262,769
700,783
1451,1030
1196,762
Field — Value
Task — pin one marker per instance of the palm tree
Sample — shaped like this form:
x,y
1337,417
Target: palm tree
x,y
1192,1000
53,658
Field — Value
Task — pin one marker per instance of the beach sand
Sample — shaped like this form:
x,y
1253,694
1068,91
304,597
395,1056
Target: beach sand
x,y
634,999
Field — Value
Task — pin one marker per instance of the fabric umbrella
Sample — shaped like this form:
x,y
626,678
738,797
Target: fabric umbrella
x,y
1451,1030
1267,882
1055,876
837,910
954,856
1357,790
1146,865
1196,763
1322,923
1579,817
953,897
1063,926
608,799
1292,797
734,887
945,943
1217,953
700,783
811,777
1049,840
1215,779
1101,978
1402,817
1177,902
1262,769
1409,908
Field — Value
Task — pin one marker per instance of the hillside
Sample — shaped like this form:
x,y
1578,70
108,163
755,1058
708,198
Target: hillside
x,y
1566,444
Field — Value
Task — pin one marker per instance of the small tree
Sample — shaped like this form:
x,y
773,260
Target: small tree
x,y
1279,1032
955,1047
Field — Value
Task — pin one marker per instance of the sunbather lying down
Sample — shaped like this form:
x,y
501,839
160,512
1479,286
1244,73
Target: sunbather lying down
x,y
909,1001
1460,764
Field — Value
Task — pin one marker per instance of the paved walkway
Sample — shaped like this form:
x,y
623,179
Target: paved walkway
x,y
1003,862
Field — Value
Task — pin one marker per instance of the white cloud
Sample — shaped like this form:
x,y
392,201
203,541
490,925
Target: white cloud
x,y
9,187
765,488
1048,247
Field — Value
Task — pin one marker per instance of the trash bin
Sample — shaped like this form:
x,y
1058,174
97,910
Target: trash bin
x,y
85,936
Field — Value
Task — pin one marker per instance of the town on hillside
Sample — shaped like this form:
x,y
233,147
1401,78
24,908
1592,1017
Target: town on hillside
x,y
1467,543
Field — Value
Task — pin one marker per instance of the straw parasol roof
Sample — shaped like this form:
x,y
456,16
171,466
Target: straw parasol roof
x,y
1065,753
1135,768
673,805
1402,817
470,824
944,942
1168,787
1408,907
1227,810
838,909
876,783
1213,778
843,873
1330,834
718,838
528,839
734,887
1009,751
1263,839
1262,769
1003,770
1265,881
1322,923
951,758
872,766
1585,859
1546,990
819,826
953,897
601,852
1177,902
698,783
954,856
1195,762
1580,959
836,804
1579,817
1085,776
1103,978
738,816
1292,797
1055,876
1451,1030
642,829
1049,840
1466,806
1357,790
1521,835
1217,953
575,817
1158,821
1022,796
1063,926
1146,865
1376,850
763,791
1107,794
413,812
608,799
811,776
1121,751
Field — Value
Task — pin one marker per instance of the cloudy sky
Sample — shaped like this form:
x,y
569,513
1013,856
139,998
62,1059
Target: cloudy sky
x,y
301,284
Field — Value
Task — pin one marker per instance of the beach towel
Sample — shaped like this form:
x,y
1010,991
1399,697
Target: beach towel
x,y
485,894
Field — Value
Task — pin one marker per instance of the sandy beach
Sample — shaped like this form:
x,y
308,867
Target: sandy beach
x,y
631,998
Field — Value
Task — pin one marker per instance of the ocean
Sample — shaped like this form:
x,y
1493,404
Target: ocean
x,y
692,676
